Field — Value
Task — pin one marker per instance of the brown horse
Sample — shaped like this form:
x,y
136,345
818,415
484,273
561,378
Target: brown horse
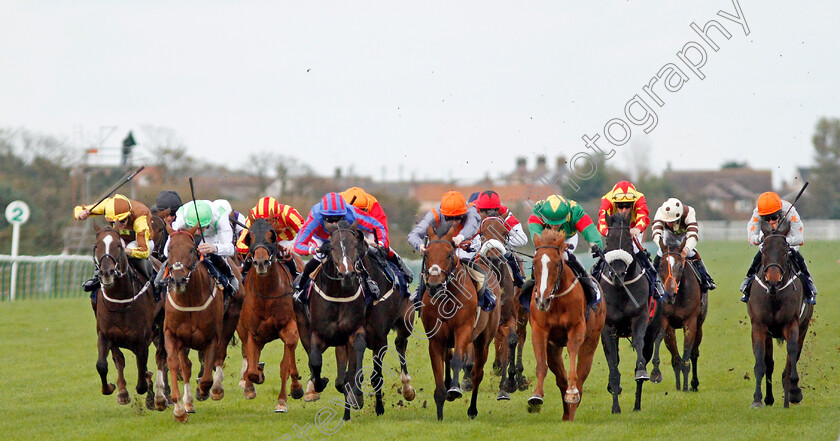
x,y
194,313
685,308
452,319
494,235
125,317
268,312
777,310
558,319
159,234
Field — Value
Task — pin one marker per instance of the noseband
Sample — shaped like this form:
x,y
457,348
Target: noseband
x,y
178,266
670,275
784,269
449,273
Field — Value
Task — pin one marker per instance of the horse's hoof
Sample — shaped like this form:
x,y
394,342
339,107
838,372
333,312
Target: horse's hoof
x,y
522,383
656,376
281,407
359,401
472,413
297,393
181,414
757,405
108,390
311,396
796,396
201,395
467,384
572,396
150,400
534,404
123,397
453,394
250,393
380,409
641,374
503,396
321,384
160,403
243,384
409,394
769,400
217,395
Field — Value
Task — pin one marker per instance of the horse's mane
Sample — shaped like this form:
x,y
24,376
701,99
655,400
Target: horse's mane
x,y
443,228
553,238
620,218
343,224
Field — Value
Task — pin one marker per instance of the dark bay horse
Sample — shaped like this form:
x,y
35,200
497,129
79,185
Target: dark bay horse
x,y
631,312
558,320
268,312
494,235
125,317
453,320
685,308
777,310
194,313
337,316
159,234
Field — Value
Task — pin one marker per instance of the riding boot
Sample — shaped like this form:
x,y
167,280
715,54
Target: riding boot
x,y
518,280
590,286
656,262
487,300
397,260
147,271
745,285
302,282
159,285
246,265
656,288
416,298
229,281
810,287
91,285
597,268
706,278
525,295
290,264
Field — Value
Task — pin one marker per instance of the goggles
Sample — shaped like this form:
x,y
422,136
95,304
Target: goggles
x,y
771,217
333,219
459,218
629,196
623,205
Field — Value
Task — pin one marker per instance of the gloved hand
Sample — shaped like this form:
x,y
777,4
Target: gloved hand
x,y
325,248
634,231
457,240
596,250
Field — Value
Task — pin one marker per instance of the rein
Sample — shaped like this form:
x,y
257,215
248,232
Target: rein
x,y
786,273
179,266
670,275
453,265
97,263
272,259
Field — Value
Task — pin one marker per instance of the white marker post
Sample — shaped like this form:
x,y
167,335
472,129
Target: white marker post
x,y
17,213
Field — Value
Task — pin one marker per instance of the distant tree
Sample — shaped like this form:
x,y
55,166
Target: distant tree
x,y
169,151
733,164
824,190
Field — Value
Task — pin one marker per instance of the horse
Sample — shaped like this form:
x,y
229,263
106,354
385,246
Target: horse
x,y
452,319
558,319
159,234
631,311
777,310
336,316
194,313
494,235
125,317
268,313
685,308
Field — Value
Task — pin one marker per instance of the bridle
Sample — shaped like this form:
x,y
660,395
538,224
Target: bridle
x,y
452,268
179,266
358,265
670,274
560,266
786,274
273,257
120,259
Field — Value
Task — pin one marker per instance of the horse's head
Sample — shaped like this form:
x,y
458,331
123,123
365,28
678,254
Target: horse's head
x,y
672,265
159,233
347,247
548,266
183,258
109,255
774,253
439,260
262,246
619,243
494,235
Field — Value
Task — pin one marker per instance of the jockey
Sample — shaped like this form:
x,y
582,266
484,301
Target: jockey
x,y
625,198
364,201
680,218
217,245
770,209
560,214
166,204
131,219
313,238
285,220
488,203
453,208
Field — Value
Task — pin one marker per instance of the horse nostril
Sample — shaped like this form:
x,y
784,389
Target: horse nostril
x,y
347,274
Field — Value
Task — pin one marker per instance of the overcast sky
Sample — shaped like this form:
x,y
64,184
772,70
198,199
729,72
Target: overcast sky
x,y
437,89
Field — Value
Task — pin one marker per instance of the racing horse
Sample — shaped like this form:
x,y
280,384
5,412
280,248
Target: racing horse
x,y
194,313
686,307
558,319
452,318
125,317
268,312
777,310
631,311
493,234
336,315
159,234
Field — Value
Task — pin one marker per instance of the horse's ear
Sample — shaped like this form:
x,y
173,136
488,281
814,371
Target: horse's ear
x,y
330,227
784,227
430,232
169,229
272,236
682,244
193,230
766,229
247,240
538,240
450,233
96,227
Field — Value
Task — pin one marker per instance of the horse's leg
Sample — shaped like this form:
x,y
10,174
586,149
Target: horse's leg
x,y
656,374
243,337
103,346
186,375
759,334
769,365
512,341
437,354
160,376
376,380
554,359
141,355
448,371
539,339
574,342
639,326
459,359
359,346
288,367
401,343
689,334
482,348
609,340
695,354
250,359
671,344
796,394
119,362
341,362
584,366
521,332
503,336
791,377
469,362
498,342
173,360
315,385
214,361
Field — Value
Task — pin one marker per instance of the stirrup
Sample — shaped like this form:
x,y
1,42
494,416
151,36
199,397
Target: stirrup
x,y
745,298
91,285
745,286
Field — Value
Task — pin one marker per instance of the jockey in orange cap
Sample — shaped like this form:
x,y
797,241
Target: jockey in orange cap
x,y
625,198
770,209
364,201
286,222
465,219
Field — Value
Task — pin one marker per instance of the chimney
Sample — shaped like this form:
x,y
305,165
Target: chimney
x,y
541,167
521,165
561,163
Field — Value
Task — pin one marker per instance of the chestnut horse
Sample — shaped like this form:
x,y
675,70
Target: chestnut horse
x,y
494,236
452,319
194,313
337,316
777,310
268,312
558,319
125,317
631,311
685,307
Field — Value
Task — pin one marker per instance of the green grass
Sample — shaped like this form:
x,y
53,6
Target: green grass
x,y
50,388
